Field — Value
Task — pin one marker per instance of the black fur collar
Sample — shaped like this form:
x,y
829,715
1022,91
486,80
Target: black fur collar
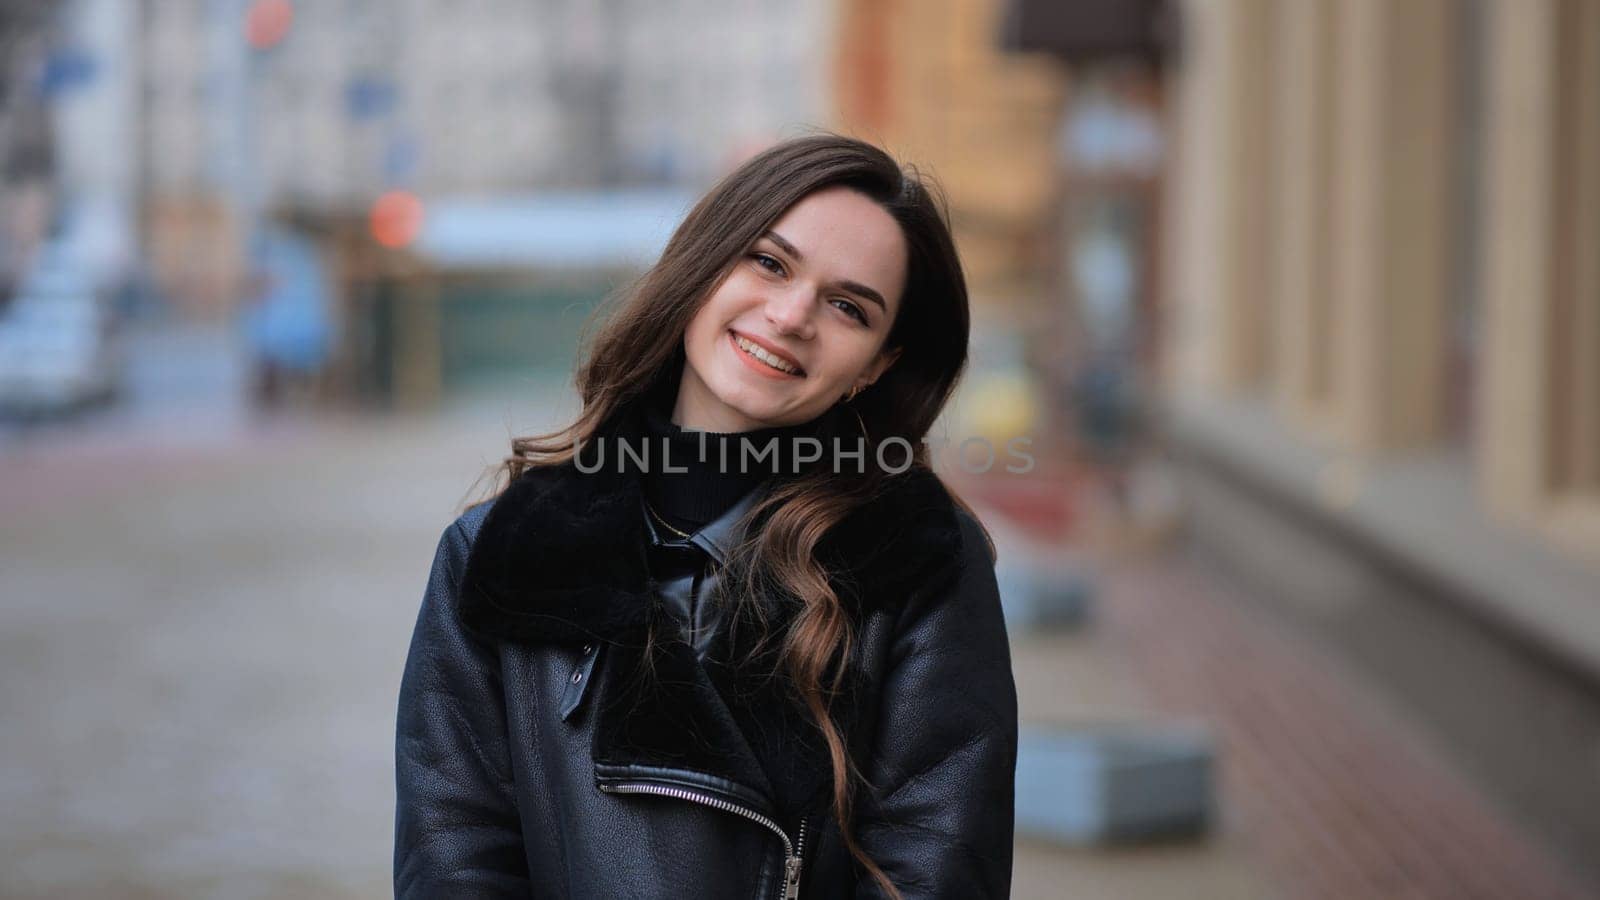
x,y
561,559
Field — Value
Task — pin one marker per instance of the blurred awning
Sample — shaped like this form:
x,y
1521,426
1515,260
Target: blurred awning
x,y
1080,31
555,229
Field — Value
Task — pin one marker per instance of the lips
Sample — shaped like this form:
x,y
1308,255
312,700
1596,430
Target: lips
x,y
734,337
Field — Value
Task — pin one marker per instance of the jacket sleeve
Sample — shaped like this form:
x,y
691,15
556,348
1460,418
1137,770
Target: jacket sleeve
x,y
457,832
941,778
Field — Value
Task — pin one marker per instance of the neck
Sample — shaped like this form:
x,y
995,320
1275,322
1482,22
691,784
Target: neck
x,y
709,471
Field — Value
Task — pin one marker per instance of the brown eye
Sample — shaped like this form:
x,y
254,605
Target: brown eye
x,y
851,309
768,262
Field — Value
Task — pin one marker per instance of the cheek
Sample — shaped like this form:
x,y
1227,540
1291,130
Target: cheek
x,y
698,326
717,310
706,322
850,354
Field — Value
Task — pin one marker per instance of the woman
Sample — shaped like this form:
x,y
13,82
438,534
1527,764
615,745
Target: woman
x,y
767,659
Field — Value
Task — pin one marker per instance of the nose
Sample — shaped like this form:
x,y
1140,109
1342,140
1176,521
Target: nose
x,y
789,311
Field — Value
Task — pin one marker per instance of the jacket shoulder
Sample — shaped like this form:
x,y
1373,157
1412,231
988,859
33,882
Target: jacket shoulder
x,y
953,558
467,525
455,547
977,548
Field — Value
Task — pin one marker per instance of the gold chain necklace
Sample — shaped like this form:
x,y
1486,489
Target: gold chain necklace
x,y
657,517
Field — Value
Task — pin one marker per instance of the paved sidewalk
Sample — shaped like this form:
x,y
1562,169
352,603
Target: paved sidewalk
x,y
1087,678
1343,796
200,648
1325,791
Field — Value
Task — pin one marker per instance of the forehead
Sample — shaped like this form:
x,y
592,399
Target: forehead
x,y
846,236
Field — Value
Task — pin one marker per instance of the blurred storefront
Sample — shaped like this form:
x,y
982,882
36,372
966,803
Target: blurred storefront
x,y
1107,280
463,293
1380,356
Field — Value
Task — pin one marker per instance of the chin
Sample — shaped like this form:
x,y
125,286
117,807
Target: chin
x,y
759,412
759,415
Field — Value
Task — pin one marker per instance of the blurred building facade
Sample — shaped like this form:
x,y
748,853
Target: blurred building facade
x,y
1381,362
930,82
27,159
1053,171
323,106
478,97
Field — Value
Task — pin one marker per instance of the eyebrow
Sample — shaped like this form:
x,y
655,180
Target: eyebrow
x,y
854,287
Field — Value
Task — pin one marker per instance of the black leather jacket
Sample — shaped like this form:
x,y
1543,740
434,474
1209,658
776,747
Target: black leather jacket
x,y
543,749
686,572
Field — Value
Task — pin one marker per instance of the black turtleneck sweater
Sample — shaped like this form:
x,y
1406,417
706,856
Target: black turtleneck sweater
x,y
690,499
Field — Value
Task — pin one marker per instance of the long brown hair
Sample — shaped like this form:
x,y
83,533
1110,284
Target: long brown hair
x,y
630,356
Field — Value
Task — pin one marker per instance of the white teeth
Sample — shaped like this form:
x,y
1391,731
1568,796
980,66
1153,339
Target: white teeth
x,y
756,350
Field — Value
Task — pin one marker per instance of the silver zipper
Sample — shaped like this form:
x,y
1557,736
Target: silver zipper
x,y
791,850
791,865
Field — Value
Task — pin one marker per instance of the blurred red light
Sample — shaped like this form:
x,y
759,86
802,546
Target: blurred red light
x,y
396,218
267,22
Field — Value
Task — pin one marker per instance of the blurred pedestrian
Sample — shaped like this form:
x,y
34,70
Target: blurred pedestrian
x,y
288,319
684,677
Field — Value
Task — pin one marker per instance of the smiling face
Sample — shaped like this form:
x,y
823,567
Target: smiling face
x,y
799,321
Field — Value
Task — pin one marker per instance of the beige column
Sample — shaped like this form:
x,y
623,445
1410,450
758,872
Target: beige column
x,y
1391,208
1513,442
1540,440
1577,328
1217,335
1303,356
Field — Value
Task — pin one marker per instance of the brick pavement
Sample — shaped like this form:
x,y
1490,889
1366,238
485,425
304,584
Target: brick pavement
x,y
1341,796
1084,677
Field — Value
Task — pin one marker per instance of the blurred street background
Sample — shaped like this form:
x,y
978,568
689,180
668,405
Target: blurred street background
x,y
1297,302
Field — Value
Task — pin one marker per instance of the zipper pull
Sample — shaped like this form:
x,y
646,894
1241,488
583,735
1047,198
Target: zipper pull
x,y
791,881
